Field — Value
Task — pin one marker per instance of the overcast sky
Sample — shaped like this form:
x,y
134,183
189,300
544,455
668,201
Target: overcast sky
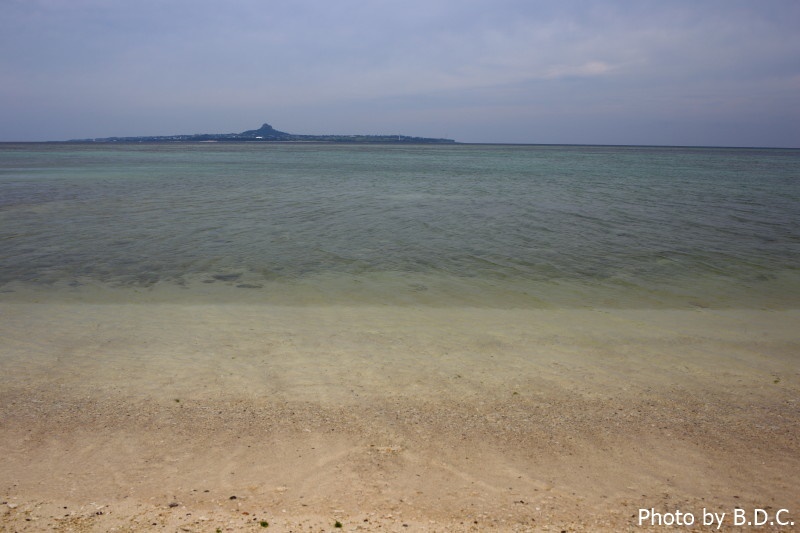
x,y
674,72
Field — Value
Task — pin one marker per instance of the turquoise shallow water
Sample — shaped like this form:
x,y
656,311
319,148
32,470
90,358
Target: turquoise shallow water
x,y
531,226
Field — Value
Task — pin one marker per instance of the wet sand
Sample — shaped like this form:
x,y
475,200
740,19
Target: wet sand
x,y
220,417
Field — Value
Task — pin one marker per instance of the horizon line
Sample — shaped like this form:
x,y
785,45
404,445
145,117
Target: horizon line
x,y
600,145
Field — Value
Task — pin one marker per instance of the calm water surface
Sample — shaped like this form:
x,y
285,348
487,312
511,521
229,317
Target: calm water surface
x,y
531,226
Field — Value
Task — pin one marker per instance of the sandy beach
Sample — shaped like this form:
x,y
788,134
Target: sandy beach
x,y
210,418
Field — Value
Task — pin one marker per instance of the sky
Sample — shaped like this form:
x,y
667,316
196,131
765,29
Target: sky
x,y
697,72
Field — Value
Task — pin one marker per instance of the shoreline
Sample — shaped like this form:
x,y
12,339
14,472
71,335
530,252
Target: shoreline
x,y
519,420
417,291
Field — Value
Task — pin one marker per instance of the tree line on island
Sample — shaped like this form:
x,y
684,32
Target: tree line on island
x,y
267,133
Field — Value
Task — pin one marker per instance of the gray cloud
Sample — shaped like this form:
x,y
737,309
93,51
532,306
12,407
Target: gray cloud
x,y
633,72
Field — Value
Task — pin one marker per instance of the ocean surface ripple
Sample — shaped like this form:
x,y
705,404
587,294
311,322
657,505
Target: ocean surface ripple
x,y
696,224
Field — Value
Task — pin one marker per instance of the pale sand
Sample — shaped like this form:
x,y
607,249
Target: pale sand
x,y
154,417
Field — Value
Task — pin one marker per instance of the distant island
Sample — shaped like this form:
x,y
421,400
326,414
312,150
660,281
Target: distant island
x,y
267,133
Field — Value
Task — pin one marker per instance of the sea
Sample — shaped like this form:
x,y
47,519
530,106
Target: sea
x,y
463,225
496,334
